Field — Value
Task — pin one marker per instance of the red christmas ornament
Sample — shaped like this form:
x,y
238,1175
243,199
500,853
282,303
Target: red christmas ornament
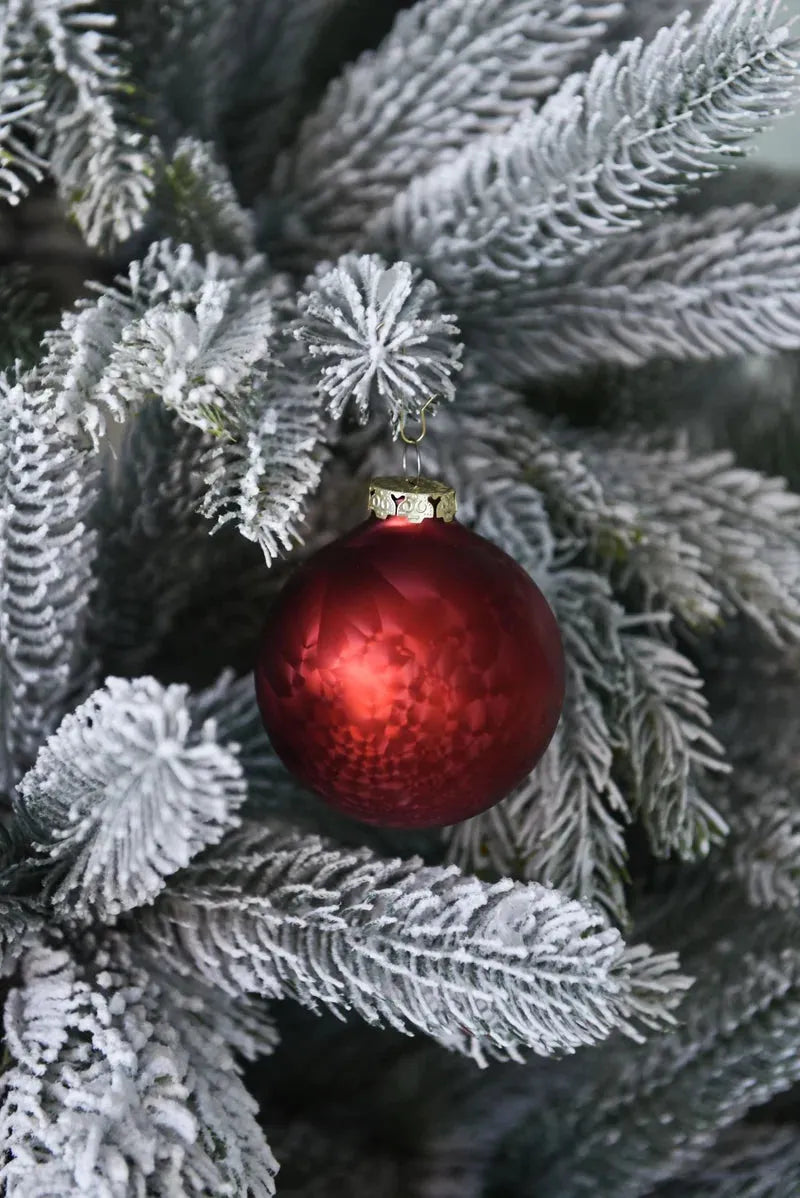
x,y
412,673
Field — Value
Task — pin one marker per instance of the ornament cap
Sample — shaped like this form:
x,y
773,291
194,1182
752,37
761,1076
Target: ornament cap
x,y
416,499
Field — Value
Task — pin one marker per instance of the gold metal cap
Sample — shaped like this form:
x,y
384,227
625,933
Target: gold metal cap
x,y
416,499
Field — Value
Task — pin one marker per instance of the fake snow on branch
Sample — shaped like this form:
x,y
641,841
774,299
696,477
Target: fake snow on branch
x,y
21,920
235,75
198,204
47,488
717,285
168,282
20,102
741,528
749,1160
201,357
197,334
633,737
735,1049
119,1083
74,110
761,802
262,478
645,20
632,693
489,970
380,335
449,72
603,152
125,793
701,536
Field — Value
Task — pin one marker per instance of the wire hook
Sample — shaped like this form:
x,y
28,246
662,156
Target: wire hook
x,y
423,422
415,440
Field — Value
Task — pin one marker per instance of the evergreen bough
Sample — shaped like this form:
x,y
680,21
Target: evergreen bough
x,y
308,237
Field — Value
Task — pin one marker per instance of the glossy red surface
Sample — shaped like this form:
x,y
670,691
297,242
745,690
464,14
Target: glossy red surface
x,y
411,674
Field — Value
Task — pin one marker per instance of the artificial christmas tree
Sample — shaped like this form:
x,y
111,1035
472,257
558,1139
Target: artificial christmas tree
x,y
300,221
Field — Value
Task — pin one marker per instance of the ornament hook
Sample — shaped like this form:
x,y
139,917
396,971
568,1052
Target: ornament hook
x,y
414,440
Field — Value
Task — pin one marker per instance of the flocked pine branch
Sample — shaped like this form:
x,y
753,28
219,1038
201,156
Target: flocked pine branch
x,y
230,702
565,825
196,335
21,107
244,1026
21,921
696,533
447,73
102,161
613,530
213,1028
116,1087
201,358
736,1048
765,845
669,751
125,793
227,1117
636,717
198,204
644,18
476,1155
261,478
633,741
761,800
47,488
153,544
743,527
75,105
380,335
602,153
720,284
234,75
75,1054
486,969
634,735
27,313
76,354
752,1160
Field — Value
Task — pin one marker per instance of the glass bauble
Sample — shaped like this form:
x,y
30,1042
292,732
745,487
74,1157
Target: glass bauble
x,y
411,673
